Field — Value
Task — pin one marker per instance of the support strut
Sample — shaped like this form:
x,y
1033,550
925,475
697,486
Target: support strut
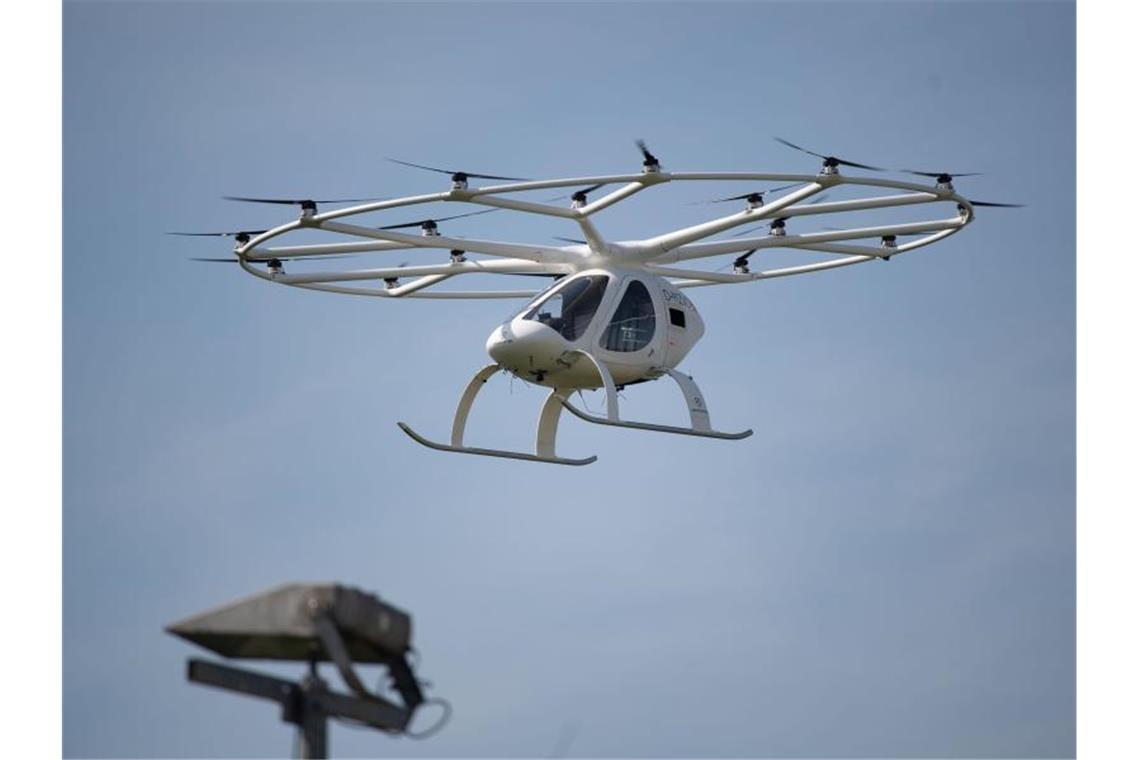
x,y
544,442
698,410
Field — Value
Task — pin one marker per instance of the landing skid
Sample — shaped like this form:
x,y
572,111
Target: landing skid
x,y
552,410
492,452
653,426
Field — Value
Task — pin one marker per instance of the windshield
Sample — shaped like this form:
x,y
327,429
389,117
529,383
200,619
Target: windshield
x,y
569,309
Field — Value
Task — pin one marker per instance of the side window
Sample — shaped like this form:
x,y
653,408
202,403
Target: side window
x,y
676,317
633,323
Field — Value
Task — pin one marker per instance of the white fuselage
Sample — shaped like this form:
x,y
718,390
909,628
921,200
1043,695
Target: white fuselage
x,y
635,323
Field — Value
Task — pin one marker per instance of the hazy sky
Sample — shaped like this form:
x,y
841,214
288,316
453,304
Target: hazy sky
x,y
885,568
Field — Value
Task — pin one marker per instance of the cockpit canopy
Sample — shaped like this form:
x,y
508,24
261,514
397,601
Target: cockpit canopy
x,y
570,307
638,324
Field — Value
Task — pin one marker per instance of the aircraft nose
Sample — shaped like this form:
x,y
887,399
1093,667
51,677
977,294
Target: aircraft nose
x,y
526,347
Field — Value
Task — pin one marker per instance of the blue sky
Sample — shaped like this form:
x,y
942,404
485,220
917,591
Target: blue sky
x,y
885,568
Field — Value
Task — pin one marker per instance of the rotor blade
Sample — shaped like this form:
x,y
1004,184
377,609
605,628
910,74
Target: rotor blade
x,y
584,191
860,166
420,166
827,158
298,201
796,147
495,176
570,240
645,151
266,261
435,219
745,196
745,232
456,171
219,234
282,201
818,199
997,205
741,260
781,220
939,174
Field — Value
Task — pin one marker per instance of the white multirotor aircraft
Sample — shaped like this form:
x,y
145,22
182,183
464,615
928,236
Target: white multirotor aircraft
x,y
616,314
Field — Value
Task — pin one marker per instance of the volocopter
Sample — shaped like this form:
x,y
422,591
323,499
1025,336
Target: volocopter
x,y
616,314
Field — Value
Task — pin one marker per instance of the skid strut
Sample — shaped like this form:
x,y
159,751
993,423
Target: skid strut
x,y
544,443
698,411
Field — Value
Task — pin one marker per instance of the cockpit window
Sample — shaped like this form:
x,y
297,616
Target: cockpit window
x,y
569,309
633,323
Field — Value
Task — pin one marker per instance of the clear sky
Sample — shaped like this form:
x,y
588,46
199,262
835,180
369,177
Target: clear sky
x,y
885,568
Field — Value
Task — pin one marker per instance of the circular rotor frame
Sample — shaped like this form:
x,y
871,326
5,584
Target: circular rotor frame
x,y
656,255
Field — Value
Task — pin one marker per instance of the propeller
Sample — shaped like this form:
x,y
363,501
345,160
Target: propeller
x,y
579,196
758,194
740,265
650,163
942,178
458,257
997,205
830,161
304,203
780,222
456,174
392,281
432,222
242,236
232,260
774,224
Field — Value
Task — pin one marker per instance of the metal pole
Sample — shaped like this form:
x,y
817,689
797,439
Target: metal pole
x,y
312,728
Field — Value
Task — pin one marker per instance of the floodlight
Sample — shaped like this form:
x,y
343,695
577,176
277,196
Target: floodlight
x,y
312,623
